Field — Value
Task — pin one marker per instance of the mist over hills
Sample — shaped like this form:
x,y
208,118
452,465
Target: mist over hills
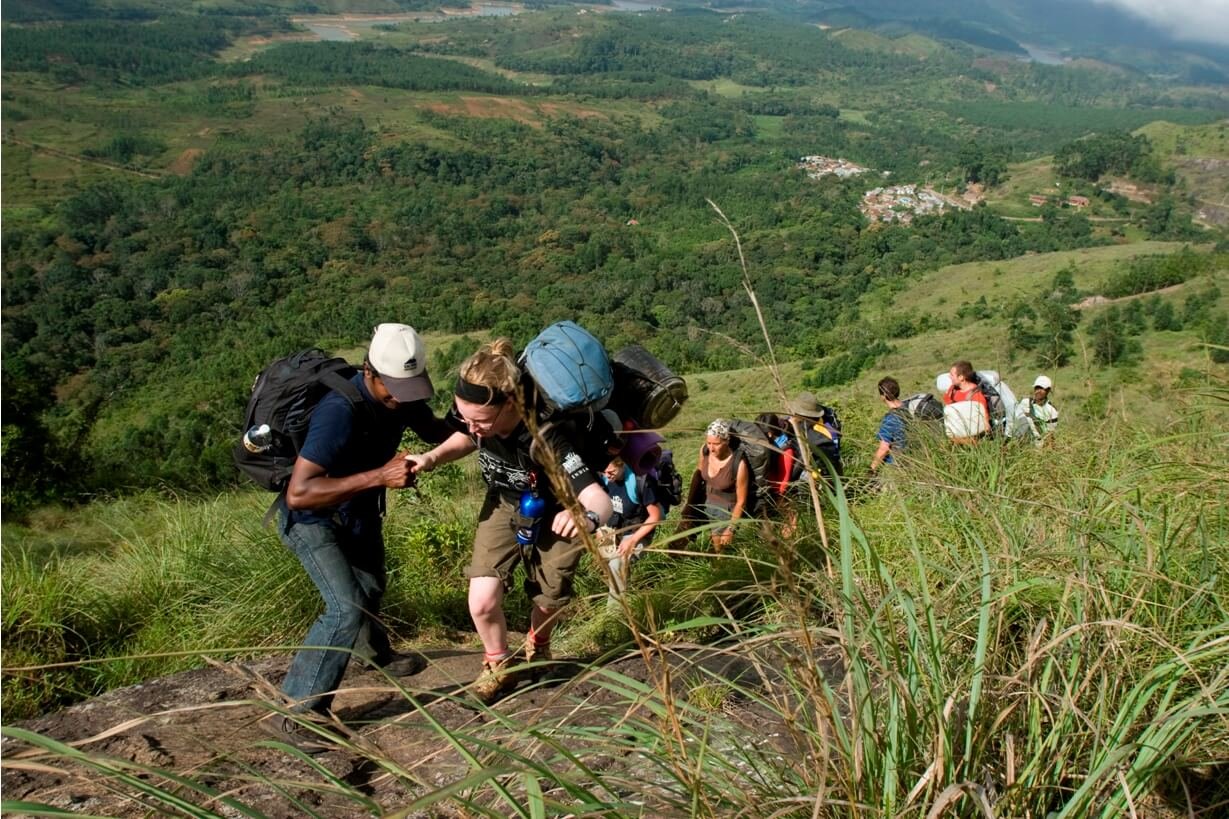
x,y
1076,28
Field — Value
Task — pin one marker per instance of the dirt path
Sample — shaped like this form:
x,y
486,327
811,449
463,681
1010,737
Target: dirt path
x,y
204,724
1090,218
1101,301
81,160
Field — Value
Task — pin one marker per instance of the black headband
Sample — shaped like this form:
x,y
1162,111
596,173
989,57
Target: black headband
x,y
478,393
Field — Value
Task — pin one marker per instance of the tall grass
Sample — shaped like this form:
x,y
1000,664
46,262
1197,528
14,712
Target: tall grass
x,y
178,579
998,631
1011,632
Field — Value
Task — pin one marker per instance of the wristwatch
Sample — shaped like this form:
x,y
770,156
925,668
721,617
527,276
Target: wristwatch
x,y
594,519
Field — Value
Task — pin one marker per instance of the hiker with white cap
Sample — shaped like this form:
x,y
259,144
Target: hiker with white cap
x,y
331,517
1036,417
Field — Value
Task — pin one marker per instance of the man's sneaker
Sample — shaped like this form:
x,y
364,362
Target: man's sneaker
x,y
285,729
496,679
403,665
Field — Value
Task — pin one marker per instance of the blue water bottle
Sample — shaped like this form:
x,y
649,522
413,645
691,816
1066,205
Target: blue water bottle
x,y
529,515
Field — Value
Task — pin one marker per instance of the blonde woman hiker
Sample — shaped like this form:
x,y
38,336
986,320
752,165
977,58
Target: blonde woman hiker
x,y
521,521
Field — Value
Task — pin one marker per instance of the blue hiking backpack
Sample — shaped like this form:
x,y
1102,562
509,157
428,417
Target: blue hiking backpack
x,y
570,367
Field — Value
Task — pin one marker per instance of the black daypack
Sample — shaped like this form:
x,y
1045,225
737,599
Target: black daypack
x,y
824,439
994,403
754,447
923,406
668,483
284,396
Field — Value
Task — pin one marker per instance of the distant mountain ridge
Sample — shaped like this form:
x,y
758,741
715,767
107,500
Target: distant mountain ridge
x,y
1077,27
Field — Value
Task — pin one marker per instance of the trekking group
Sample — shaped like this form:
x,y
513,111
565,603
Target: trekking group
x,y
566,442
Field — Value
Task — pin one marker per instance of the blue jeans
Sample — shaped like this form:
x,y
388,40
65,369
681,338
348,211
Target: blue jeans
x,y
346,562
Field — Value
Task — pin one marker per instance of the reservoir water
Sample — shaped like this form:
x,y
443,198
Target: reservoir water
x,y
1043,55
337,28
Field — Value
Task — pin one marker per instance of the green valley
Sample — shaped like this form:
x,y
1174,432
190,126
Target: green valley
x,y
192,190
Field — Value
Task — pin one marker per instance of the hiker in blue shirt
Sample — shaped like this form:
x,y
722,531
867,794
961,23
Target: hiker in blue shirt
x,y
635,516
892,427
332,514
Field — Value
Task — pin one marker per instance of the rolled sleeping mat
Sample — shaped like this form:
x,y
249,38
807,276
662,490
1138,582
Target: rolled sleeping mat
x,y
646,390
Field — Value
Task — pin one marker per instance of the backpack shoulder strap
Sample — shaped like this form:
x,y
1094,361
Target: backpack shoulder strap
x,y
642,485
336,381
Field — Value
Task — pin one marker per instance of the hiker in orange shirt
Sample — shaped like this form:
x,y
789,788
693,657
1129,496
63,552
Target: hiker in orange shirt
x,y
966,412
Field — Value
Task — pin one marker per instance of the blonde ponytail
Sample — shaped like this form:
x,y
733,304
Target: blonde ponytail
x,y
493,366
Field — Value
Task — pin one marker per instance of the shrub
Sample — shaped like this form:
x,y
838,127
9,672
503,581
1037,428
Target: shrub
x,y
846,367
1109,340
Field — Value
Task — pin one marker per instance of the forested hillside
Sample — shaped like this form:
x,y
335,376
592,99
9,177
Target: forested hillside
x,y
177,215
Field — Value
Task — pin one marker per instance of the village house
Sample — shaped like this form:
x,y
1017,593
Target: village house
x,y
820,166
900,203
1037,200
1077,201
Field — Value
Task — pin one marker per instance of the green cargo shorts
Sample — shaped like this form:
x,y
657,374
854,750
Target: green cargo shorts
x,y
550,566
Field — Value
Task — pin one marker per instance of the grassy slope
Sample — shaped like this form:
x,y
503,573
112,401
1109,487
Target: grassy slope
x,y
116,560
1199,154
941,293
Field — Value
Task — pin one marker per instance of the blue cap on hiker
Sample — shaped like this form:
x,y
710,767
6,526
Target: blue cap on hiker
x,y
399,357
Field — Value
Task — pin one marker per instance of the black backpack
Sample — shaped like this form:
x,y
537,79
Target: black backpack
x,y
668,483
994,403
923,406
284,396
753,446
824,439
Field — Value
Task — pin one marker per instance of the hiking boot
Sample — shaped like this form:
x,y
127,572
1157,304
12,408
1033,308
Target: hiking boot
x,y
535,653
402,665
286,730
495,680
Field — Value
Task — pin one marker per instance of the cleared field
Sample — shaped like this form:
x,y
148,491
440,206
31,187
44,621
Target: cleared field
x,y
768,127
1025,179
726,87
80,120
854,116
916,45
943,291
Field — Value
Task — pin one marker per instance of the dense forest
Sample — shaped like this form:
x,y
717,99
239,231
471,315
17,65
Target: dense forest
x,y
138,307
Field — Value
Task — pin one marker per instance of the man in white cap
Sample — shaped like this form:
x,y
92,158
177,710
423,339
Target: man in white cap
x,y
1036,417
332,513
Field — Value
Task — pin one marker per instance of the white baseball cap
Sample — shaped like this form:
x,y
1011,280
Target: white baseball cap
x,y
1044,382
399,357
